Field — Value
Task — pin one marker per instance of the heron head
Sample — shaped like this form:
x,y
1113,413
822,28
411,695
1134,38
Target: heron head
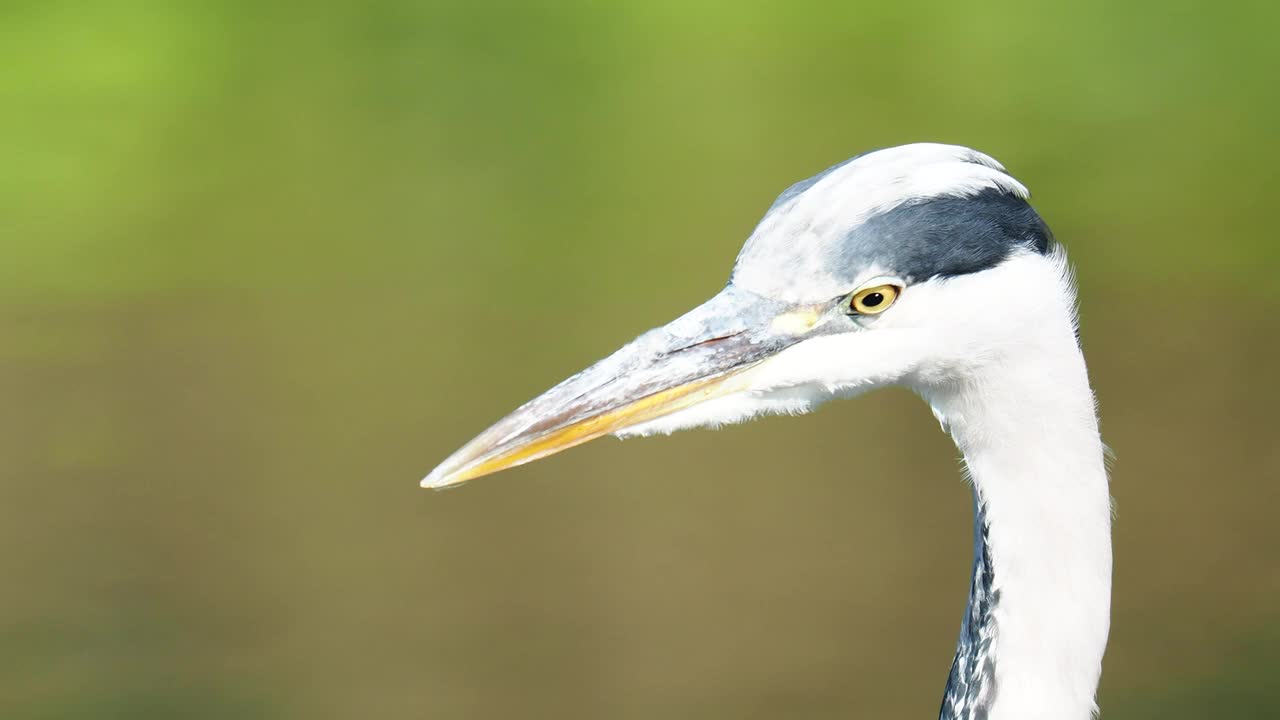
x,y
901,266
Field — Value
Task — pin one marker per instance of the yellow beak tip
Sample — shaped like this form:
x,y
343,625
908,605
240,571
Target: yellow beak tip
x,y
437,480
478,458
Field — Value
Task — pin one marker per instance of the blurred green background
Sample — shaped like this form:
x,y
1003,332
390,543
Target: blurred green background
x,y
262,265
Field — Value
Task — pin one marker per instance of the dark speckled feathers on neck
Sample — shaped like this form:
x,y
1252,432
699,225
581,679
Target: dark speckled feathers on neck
x,y
971,685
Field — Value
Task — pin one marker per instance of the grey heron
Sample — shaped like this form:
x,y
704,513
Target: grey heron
x,y
922,265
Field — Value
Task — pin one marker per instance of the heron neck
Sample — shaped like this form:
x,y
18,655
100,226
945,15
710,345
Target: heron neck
x,y
1036,625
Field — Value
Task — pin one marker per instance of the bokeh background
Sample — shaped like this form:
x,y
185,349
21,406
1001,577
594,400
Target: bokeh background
x,y
262,265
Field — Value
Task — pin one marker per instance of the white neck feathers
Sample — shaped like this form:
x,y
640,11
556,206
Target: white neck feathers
x,y
1026,425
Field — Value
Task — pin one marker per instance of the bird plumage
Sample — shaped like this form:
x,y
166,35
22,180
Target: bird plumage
x,y
975,311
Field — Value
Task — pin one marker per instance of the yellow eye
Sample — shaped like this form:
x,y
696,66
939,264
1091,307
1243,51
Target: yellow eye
x,y
873,300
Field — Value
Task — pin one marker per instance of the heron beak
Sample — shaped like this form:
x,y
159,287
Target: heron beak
x,y
698,357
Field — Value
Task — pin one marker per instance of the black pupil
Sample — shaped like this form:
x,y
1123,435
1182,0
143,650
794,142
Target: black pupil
x,y
873,299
